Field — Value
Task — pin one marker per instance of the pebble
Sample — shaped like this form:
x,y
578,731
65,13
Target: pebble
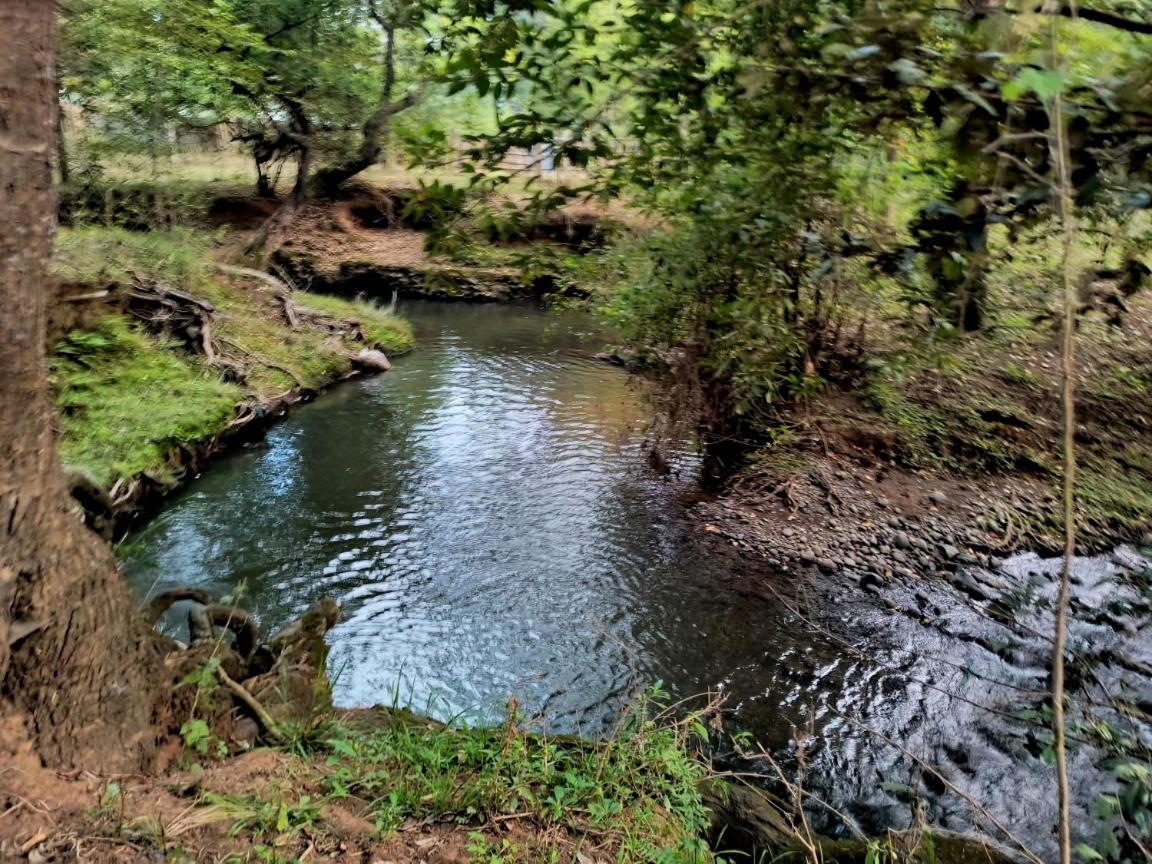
x,y
949,551
900,540
870,579
937,497
827,565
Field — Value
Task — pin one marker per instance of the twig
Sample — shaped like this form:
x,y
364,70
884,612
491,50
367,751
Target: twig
x,y
1060,159
241,692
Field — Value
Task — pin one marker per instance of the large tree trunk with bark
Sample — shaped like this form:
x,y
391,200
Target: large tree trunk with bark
x,y
80,673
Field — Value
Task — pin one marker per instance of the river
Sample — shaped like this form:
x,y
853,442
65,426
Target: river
x,y
487,519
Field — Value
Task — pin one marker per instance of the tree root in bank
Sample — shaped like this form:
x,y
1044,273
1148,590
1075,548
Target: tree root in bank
x,y
274,681
270,364
161,603
280,290
204,619
167,310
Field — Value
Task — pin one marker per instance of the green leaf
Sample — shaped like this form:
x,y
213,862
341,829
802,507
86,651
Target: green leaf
x,y
974,97
1045,83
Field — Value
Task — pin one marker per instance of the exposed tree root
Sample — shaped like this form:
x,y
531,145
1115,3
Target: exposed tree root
x,y
267,680
280,290
167,310
271,728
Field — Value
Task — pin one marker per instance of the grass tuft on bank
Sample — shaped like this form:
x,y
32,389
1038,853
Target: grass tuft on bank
x,y
637,790
385,784
128,398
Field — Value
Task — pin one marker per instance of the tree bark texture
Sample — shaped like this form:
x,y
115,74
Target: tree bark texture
x,y
80,673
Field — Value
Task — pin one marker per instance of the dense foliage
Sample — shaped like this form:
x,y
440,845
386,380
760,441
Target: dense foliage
x,y
757,134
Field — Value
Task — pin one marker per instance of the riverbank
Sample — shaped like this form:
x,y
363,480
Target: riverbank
x,y
161,359
141,306
262,769
384,785
929,462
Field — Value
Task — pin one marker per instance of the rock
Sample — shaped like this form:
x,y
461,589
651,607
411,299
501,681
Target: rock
x,y
937,497
827,565
245,733
870,578
371,360
900,540
968,585
949,551
882,503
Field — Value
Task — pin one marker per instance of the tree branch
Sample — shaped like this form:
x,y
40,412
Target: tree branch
x,y
1069,10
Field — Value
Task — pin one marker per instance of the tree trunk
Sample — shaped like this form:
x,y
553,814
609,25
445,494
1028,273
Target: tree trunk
x,y
375,129
266,237
61,146
79,671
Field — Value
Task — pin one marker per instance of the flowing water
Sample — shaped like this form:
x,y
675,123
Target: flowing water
x,y
487,519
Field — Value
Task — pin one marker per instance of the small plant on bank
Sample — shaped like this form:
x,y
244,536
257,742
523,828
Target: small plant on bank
x,y
635,794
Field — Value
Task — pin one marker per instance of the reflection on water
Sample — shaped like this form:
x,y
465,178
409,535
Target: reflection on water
x,y
486,521
485,518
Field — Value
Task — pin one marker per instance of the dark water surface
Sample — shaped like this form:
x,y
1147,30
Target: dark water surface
x,y
486,518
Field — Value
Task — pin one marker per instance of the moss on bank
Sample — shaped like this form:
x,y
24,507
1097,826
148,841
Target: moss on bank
x,y
129,398
126,399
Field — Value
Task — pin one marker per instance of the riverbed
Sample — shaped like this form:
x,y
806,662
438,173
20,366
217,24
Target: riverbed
x,y
488,519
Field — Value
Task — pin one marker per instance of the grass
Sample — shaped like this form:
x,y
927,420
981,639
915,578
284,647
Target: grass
x,y
393,334
128,398
102,256
632,798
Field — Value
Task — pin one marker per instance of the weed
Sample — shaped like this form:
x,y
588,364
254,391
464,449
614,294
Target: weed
x,y
636,792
